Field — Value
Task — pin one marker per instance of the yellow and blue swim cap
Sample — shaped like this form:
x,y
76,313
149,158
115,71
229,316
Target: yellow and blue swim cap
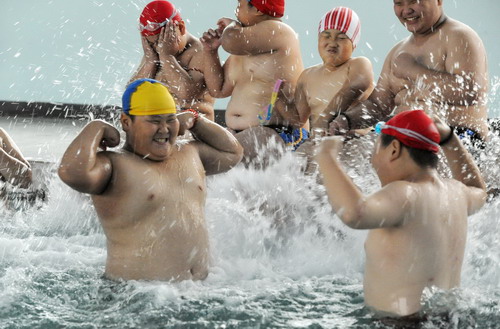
x,y
147,97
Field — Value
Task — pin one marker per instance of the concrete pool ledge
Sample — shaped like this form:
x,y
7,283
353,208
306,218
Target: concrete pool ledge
x,y
12,109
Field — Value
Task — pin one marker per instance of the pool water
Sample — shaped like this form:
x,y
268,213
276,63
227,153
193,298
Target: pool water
x,y
280,258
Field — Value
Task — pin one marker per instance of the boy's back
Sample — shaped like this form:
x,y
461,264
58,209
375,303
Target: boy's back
x,y
425,250
417,221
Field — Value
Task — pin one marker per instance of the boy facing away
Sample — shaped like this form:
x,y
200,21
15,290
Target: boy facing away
x,y
173,56
263,50
150,195
418,220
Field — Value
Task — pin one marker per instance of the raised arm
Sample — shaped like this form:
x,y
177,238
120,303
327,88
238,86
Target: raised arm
x,y
186,85
218,149
13,167
462,166
84,168
149,63
353,208
216,75
264,37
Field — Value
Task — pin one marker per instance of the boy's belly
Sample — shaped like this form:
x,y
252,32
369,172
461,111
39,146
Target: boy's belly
x,y
176,255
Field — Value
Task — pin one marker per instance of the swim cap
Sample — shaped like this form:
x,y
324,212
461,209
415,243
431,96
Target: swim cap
x,y
414,129
155,15
343,19
274,8
147,97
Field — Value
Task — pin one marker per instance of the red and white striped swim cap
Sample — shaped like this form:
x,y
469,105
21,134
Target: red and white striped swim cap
x,y
343,19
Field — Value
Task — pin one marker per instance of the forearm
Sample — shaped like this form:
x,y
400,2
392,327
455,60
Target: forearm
x,y
343,195
461,163
147,69
215,136
453,89
14,171
179,81
367,113
286,114
81,155
214,74
341,102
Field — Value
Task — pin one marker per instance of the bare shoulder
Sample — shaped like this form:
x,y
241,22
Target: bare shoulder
x,y
310,72
360,64
458,30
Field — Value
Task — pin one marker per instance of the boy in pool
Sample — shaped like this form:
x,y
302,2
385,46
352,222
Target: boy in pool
x,y
14,168
173,56
328,89
263,51
418,220
150,195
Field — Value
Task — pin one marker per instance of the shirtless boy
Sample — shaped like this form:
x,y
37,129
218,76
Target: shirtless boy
x,y
173,56
14,168
325,90
150,195
418,220
441,66
263,50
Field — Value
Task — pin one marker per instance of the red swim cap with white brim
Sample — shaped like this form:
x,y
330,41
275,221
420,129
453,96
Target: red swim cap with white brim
x,y
274,8
155,15
414,129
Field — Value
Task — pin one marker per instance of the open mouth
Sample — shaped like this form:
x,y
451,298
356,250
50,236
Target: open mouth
x,y
411,19
161,140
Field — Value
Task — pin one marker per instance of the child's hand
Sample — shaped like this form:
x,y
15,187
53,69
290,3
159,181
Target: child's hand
x,y
223,23
330,146
442,127
186,122
110,137
339,126
169,41
211,40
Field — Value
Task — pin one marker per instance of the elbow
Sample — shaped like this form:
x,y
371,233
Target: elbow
x,y
350,217
63,174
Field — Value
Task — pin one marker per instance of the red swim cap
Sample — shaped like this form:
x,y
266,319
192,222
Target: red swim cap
x,y
274,8
414,129
155,15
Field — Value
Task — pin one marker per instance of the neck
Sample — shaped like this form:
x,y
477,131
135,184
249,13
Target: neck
x,y
442,19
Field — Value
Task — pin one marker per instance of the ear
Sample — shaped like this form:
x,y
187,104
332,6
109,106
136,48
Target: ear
x,y
182,27
126,122
396,150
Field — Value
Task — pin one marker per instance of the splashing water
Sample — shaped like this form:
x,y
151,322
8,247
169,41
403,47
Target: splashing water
x,y
280,259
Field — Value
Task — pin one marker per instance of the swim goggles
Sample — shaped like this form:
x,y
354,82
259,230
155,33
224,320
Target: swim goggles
x,y
153,26
407,132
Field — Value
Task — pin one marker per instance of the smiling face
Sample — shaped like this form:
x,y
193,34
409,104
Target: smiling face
x,y
418,15
151,136
334,47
